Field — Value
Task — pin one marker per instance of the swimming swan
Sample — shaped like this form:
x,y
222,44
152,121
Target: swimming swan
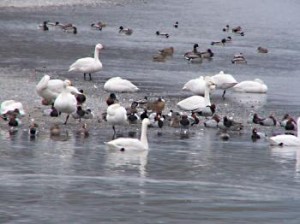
x,y
88,64
198,102
124,144
249,86
287,140
117,84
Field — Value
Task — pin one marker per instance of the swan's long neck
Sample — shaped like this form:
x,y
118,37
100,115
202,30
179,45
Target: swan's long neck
x,y
144,139
206,95
96,54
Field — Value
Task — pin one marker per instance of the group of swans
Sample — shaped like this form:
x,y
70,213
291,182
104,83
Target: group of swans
x,y
225,81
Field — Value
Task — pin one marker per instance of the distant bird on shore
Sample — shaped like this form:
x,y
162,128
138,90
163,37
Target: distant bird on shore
x,y
88,65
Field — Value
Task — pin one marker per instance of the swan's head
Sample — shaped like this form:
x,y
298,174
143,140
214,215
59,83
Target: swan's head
x,y
196,45
146,121
68,82
99,47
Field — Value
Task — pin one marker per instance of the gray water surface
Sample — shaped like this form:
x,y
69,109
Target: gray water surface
x,y
200,179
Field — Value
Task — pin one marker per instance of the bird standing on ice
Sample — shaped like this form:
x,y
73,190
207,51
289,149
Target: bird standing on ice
x,y
88,65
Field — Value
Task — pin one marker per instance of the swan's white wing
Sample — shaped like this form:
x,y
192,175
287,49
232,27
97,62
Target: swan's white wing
x,y
196,86
192,103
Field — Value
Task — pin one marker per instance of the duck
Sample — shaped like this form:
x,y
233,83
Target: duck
x,y
44,26
208,111
239,59
126,31
112,98
268,121
184,124
196,86
156,106
131,144
80,113
288,123
66,102
221,42
262,50
251,86
225,136
212,122
55,130
88,65
8,106
169,51
238,30
118,84
194,119
144,114
192,54
174,119
83,131
287,139
72,30
98,25
194,103
257,135
176,24
166,35
33,129
81,98
159,57
223,81
49,89
230,124
116,115
226,28
208,54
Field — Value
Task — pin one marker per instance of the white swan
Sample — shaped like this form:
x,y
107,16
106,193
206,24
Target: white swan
x,y
11,105
131,144
116,114
287,140
196,86
49,89
223,81
66,102
117,84
198,102
88,64
249,86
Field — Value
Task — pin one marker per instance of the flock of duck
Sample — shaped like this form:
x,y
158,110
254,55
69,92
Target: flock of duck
x,y
63,98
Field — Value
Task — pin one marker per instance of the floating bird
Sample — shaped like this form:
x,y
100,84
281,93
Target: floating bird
x,y
83,131
144,114
72,29
223,81
192,54
130,144
98,26
212,122
55,130
159,57
88,65
184,124
287,139
262,50
249,86
126,31
225,136
33,129
166,35
226,29
257,135
238,30
268,121
176,24
44,26
239,59
118,84
222,42
169,51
